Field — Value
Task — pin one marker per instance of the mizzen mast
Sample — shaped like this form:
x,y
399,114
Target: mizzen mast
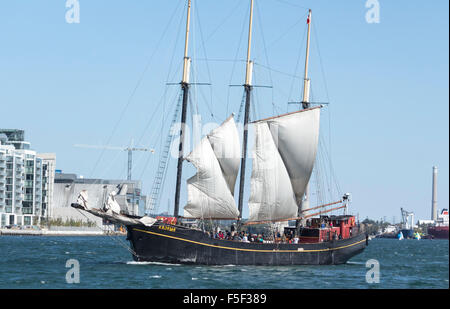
x,y
248,90
304,204
185,90
306,81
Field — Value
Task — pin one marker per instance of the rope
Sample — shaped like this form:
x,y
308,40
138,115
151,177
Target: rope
x,y
234,63
297,65
115,239
141,77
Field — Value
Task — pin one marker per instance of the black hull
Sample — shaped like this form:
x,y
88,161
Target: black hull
x,y
177,244
407,233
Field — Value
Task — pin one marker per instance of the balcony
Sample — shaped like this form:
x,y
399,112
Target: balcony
x,y
27,210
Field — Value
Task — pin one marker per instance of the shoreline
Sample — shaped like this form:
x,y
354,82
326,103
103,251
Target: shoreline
x,y
9,232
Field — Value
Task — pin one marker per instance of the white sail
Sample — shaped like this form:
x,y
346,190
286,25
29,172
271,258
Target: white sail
x,y
284,156
296,136
225,143
209,193
272,197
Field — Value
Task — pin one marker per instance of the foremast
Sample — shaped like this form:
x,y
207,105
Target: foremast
x,y
185,90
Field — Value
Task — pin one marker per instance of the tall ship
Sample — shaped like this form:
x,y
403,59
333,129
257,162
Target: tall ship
x,y
284,155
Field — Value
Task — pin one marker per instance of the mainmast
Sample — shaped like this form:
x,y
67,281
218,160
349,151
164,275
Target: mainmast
x,y
248,90
185,89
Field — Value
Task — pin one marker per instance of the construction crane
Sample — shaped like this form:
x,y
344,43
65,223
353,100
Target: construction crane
x,y
407,219
130,150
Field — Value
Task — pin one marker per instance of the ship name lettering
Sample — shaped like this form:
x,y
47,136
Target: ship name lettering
x,y
167,228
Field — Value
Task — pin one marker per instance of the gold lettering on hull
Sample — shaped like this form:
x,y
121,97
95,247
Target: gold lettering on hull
x,y
167,228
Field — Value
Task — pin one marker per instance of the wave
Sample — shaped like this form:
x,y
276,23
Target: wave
x,y
151,263
155,276
356,263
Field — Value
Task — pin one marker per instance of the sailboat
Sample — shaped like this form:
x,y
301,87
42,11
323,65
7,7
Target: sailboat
x,y
284,154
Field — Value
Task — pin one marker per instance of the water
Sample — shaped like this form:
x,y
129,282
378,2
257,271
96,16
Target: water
x,y
40,262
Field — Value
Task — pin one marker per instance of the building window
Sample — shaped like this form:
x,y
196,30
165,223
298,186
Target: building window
x,y
27,220
27,210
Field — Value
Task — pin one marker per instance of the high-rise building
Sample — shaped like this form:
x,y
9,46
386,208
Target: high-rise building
x,y
21,181
48,179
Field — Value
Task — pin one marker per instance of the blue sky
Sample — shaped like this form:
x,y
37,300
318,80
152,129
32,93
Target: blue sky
x,y
103,81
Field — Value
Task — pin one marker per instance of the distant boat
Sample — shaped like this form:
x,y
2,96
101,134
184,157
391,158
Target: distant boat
x,y
407,224
407,233
440,229
400,236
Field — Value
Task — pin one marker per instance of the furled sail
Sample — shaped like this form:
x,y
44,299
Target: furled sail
x,y
284,156
210,189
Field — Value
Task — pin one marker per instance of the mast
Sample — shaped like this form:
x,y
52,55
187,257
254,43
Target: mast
x,y
304,204
306,81
248,90
185,89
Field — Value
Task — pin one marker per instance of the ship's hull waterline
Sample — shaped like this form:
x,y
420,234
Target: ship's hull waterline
x,y
177,244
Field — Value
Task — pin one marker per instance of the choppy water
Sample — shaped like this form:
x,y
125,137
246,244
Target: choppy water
x,y
40,263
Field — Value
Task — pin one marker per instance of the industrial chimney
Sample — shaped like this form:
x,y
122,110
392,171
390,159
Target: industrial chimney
x,y
434,197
